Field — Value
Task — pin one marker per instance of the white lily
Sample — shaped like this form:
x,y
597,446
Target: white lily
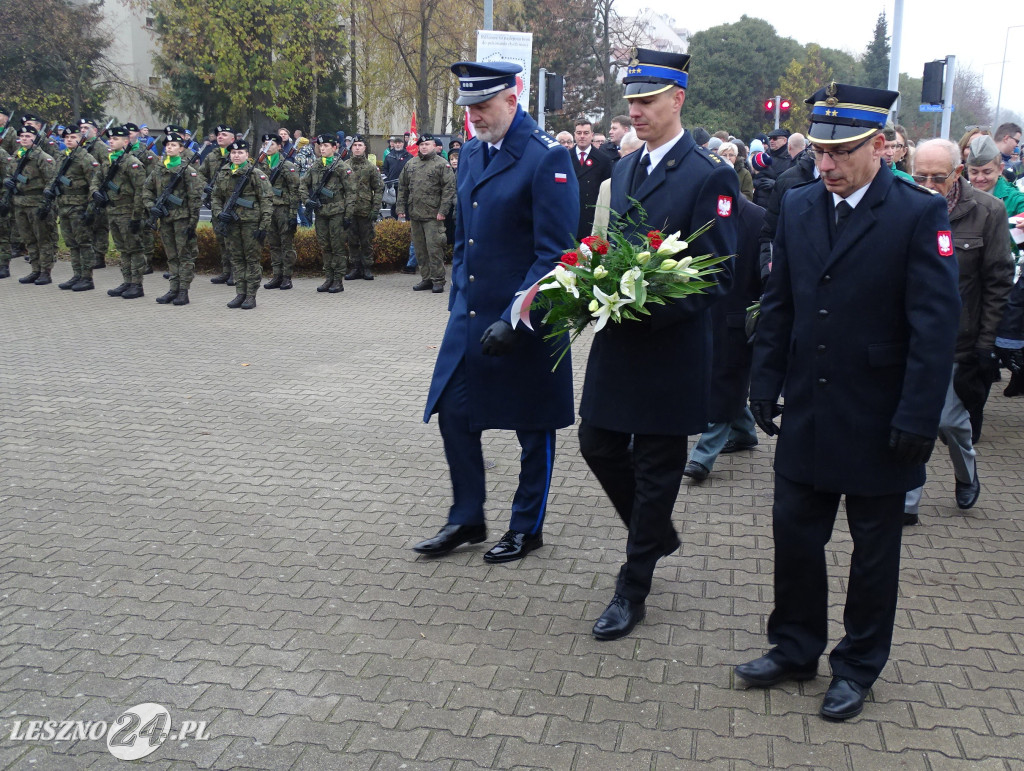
x,y
667,265
584,250
600,272
610,304
565,279
627,280
672,245
643,258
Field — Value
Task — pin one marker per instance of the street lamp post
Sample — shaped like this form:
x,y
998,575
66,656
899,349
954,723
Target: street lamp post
x,y
1002,72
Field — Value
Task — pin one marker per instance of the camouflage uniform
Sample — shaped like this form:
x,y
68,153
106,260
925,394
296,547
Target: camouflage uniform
x,y
5,220
426,188
216,160
124,213
364,189
255,210
330,217
178,225
281,235
71,205
149,163
99,227
38,235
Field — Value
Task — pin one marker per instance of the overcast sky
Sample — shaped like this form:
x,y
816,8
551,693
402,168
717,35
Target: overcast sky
x,y
932,29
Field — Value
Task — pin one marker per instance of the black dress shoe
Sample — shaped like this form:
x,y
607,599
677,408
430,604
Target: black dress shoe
x,y
450,537
424,285
910,518
513,546
766,672
733,446
1016,385
698,472
619,618
843,699
967,492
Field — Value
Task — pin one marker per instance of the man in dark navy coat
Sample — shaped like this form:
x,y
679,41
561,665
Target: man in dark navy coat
x,y
592,168
649,380
857,331
518,204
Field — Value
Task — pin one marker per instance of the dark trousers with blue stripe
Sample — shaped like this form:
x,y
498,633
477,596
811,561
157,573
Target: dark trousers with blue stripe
x,y
642,484
466,464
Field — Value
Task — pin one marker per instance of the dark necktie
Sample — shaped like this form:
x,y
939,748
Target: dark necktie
x,y
583,157
640,174
491,152
843,212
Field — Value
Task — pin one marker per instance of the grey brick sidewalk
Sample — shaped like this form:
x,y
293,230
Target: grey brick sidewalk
x,y
212,510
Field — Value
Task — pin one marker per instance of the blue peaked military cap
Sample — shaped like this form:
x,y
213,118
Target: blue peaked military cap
x,y
479,81
651,72
841,113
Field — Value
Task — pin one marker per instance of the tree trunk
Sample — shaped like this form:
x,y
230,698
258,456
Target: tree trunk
x,y
354,99
424,124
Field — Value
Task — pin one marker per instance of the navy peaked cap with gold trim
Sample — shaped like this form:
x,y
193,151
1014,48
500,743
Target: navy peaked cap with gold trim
x,y
479,81
841,113
651,72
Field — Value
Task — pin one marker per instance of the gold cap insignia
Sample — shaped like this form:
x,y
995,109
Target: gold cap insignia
x,y
830,92
633,57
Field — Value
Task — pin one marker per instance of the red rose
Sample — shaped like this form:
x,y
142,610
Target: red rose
x,y
596,244
570,258
655,238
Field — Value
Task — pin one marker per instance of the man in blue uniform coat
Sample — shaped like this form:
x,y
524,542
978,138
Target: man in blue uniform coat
x,y
518,204
857,331
649,380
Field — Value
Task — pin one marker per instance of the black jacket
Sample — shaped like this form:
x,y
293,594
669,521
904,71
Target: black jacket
x,y
801,171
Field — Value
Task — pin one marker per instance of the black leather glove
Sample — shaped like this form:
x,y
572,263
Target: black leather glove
x,y
765,411
293,227
314,205
191,232
911,448
498,339
158,211
347,222
42,212
49,195
99,197
10,184
261,235
225,217
1011,358
135,226
988,364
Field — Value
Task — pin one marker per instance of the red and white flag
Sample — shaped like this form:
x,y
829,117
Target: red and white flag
x,y
413,148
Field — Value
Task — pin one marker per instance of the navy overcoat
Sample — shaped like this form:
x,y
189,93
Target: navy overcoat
x,y
516,218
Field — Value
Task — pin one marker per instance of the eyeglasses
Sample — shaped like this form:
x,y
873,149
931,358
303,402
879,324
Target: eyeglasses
x,y
899,145
837,156
938,179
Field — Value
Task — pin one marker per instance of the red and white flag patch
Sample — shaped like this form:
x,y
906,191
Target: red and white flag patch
x,y
945,239
724,206
560,177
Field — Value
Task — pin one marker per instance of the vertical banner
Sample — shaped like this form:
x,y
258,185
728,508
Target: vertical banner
x,y
517,47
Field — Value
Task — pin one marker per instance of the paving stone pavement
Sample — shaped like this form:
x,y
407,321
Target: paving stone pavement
x,y
212,510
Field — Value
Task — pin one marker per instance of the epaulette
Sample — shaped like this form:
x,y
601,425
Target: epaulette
x,y
545,139
711,158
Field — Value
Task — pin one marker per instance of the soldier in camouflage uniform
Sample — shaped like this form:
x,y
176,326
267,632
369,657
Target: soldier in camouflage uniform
x,y
426,190
330,210
26,188
178,216
215,161
245,228
74,176
8,136
149,161
6,168
97,148
122,198
364,189
187,156
284,182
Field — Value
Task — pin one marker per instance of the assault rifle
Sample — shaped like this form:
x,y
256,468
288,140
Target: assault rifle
x,y
314,202
227,213
56,188
100,199
95,139
159,208
11,186
280,167
10,125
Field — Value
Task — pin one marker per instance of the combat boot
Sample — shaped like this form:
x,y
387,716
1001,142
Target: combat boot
x,y
231,279
83,286
237,302
367,274
425,285
336,286
44,278
30,278
182,298
70,283
100,263
221,279
167,297
167,274
133,291
149,270
274,283
5,272
249,303
326,285
118,290
352,275
286,282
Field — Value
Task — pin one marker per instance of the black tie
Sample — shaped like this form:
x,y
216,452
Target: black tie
x,y
491,152
640,174
843,212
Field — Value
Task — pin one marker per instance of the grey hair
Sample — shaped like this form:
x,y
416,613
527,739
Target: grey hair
x,y
631,140
951,149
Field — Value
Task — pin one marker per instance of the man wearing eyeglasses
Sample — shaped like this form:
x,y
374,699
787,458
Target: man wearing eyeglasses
x,y
1007,137
858,322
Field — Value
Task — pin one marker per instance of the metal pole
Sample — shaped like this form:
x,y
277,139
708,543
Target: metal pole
x,y
947,96
778,107
488,14
1002,72
894,53
542,93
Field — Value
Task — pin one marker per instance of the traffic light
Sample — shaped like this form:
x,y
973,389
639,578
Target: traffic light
x,y
769,109
554,90
931,87
784,106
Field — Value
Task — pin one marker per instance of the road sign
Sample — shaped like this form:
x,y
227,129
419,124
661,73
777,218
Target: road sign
x,y
934,108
